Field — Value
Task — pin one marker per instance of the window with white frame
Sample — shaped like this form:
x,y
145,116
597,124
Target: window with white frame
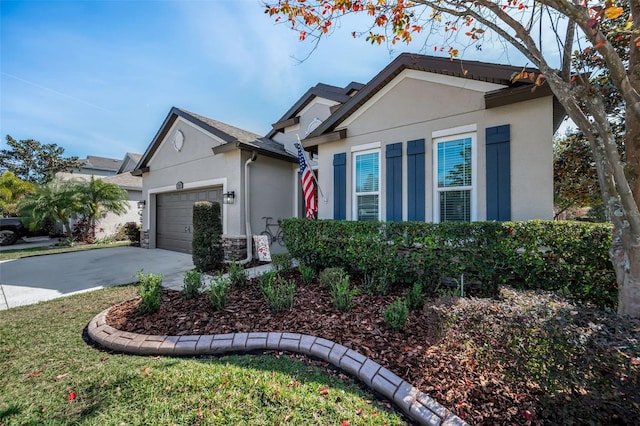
x,y
454,195
366,193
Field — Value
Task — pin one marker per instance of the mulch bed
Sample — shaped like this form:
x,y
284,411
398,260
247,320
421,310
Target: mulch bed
x,y
433,351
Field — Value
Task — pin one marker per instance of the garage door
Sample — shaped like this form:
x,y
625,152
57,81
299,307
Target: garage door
x,y
174,217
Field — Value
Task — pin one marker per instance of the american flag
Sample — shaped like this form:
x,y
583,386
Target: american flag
x,y
308,188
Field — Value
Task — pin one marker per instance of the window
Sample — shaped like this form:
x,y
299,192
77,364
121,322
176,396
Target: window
x,y
366,185
454,195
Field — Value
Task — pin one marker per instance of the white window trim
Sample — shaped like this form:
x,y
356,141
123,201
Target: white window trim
x,y
366,147
448,136
354,194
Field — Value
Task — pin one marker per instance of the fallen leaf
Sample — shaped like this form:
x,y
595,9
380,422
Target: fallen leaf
x,y
323,391
61,376
34,374
345,423
72,396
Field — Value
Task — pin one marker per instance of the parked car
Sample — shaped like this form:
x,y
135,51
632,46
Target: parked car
x,y
13,228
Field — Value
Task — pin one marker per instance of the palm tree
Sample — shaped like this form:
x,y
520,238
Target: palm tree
x,y
57,200
98,197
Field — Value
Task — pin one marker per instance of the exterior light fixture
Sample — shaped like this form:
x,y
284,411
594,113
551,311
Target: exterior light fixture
x,y
141,204
229,197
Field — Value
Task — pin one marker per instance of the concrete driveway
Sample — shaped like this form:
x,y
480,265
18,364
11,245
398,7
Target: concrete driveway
x,y
35,279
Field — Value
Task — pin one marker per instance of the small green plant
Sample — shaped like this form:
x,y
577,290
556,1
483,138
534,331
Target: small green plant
x,y
192,284
396,314
342,294
415,297
237,274
306,273
279,294
265,279
376,283
329,276
281,262
150,290
218,292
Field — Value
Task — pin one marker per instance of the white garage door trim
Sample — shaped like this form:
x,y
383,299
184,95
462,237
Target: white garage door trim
x,y
151,196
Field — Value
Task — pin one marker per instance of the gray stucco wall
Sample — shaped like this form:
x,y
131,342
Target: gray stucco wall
x,y
414,109
196,166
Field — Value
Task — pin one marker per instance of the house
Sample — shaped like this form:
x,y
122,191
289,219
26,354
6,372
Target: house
x,y
427,139
98,166
114,171
434,139
194,158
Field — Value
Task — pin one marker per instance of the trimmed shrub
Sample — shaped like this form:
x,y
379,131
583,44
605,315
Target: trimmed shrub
x,y
208,252
342,294
330,276
192,284
395,315
237,274
150,290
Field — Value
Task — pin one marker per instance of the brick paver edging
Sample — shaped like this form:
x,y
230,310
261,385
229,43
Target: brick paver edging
x,y
416,404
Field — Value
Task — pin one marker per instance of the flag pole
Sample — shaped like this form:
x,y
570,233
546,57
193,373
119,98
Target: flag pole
x,y
314,175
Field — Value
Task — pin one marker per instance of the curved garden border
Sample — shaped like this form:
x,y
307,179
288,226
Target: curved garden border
x,y
416,404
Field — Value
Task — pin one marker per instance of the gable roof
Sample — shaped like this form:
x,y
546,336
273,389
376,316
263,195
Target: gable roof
x,y
233,137
100,163
320,90
474,70
129,162
125,180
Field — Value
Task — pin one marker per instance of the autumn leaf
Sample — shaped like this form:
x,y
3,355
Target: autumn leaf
x,y
613,12
600,43
61,376
72,396
323,391
345,423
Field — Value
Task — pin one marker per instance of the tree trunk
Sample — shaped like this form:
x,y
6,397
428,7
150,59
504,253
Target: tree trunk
x,y
625,253
632,125
627,267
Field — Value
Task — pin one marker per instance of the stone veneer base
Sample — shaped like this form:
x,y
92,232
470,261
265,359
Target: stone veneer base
x,y
414,403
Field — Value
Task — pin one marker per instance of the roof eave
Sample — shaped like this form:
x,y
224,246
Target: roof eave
x,y
228,147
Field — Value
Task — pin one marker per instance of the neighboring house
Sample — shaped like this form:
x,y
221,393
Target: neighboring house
x,y
99,166
427,139
112,171
194,158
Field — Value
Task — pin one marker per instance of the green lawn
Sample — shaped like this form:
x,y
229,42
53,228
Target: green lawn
x,y
38,251
45,362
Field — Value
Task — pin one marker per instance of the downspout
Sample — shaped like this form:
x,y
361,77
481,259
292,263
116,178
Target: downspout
x,y
247,209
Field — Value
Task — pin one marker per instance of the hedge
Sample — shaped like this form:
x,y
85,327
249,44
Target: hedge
x,y
567,257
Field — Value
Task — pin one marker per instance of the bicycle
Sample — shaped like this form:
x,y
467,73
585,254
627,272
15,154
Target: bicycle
x,y
267,231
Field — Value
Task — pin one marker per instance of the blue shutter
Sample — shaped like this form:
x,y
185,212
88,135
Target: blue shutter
x,y
498,153
415,180
340,186
394,182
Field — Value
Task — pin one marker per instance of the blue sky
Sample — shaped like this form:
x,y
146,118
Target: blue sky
x,y
99,77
